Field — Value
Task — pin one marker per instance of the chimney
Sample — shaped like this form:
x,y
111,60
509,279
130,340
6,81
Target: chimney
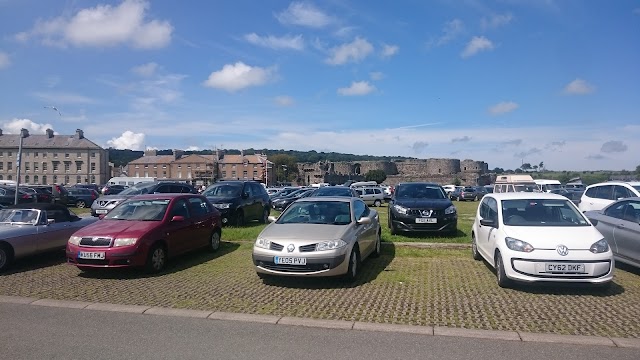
x,y
242,153
49,133
150,152
177,154
79,134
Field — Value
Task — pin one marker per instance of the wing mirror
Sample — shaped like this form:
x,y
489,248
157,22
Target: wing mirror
x,y
272,218
245,195
487,222
177,218
364,220
50,221
594,222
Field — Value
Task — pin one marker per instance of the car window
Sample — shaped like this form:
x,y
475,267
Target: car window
x,y
359,209
492,212
484,208
604,192
258,190
180,208
621,192
625,210
198,207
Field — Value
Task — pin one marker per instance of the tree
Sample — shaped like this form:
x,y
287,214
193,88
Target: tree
x,y
525,166
638,170
378,176
457,181
541,165
498,170
285,166
535,167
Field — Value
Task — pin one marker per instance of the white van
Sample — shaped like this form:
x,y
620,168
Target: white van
x,y
363,184
514,183
547,185
129,181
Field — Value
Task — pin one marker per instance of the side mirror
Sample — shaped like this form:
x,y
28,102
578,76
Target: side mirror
x,y
487,222
272,218
177,218
50,221
245,195
594,222
364,220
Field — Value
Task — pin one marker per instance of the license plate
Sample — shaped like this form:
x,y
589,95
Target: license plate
x,y
101,211
285,260
426,220
91,255
564,268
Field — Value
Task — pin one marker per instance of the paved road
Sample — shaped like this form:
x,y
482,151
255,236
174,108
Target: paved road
x,y
38,332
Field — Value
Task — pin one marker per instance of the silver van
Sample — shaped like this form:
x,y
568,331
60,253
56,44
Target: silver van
x,y
371,195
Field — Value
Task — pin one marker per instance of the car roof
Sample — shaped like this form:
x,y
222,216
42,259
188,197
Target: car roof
x,y
327,199
39,206
419,183
164,196
525,195
632,183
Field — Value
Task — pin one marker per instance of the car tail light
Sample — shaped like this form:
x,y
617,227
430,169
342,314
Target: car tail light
x,y
26,196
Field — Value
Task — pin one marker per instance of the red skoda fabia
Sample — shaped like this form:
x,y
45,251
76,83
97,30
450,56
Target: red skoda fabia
x,y
145,231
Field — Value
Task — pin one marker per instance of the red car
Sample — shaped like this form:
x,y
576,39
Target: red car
x,y
145,231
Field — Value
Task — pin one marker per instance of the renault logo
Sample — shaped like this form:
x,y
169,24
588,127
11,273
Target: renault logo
x,y
426,213
562,250
290,248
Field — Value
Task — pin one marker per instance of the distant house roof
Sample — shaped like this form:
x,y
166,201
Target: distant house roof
x,y
157,159
195,158
48,141
238,159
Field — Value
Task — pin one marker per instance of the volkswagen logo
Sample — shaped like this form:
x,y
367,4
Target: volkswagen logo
x,y
562,250
290,248
426,213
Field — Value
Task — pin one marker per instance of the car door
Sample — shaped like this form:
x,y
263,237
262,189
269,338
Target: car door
x,y
486,236
201,217
626,233
181,235
366,233
608,219
55,235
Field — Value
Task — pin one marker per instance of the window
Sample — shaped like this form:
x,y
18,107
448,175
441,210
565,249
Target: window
x,y
9,166
137,174
35,166
66,179
198,207
56,165
9,177
137,166
78,179
146,166
255,173
93,167
44,166
1,165
26,179
66,155
233,174
44,155
55,155
244,174
35,154
180,209
67,166
26,166
359,209
35,179
93,154
146,174
79,155
233,167
44,179
9,153
179,166
604,192
1,153
55,179
621,192
78,166
224,174
164,166
93,179
179,174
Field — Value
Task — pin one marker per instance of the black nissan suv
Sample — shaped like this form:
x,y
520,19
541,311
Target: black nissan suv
x,y
239,201
422,207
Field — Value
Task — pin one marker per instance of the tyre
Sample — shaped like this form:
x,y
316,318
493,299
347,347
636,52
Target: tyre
x,y
81,204
458,199
264,276
157,259
354,264
474,248
265,216
377,247
214,241
377,203
6,256
392,228
501,275
239,220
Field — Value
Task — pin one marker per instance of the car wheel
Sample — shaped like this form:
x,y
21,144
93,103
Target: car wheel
x,y
157,259
392,228
81,204
377,247
214,241
239,218
6,256
265,216
503,281
474,248
354,264
458,198
476,198
377,203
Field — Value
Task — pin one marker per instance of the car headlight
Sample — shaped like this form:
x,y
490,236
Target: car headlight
x,y
124,242
599,246
401,209
75,240
263,243
222,206
450,210
518,245
330,245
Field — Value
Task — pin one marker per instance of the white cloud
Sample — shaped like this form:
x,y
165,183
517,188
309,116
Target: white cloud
x,y
273,42
495,21
284,100
354,51
128,140
503,107
234,77
579,87
477,44
15,125
389,50
145,70
304,14
450,31
4,60
376,75
104,26
57,98
192,148
357,88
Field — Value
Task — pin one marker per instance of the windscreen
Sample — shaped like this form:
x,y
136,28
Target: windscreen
x,y
223,190
317,212
419,191
139,210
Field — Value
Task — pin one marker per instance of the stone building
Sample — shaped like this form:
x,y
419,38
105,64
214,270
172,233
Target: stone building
x,y
443,171
53,159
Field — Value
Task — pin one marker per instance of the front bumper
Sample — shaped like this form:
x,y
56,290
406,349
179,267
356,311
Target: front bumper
x,y
318,264
125,256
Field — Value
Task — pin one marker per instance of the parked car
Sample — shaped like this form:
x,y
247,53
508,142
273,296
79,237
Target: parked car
x,y
240,201
534,237
335,191
421,207
58,192
107,202
572,194
598,196
619,223
283,202
81,197
39,194
29,229
448,189
146,231
284,191
465,193
318,236
8,196
371,195
97,188
113,189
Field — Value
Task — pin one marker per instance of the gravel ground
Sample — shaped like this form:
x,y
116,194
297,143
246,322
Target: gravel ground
x,y
440,287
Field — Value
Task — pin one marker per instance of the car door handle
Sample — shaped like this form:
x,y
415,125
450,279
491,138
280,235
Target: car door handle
x,y
620,225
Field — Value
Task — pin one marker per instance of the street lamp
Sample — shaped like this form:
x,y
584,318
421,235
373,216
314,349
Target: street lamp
x,y
23,134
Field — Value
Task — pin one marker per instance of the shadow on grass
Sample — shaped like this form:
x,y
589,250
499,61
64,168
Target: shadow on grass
x,y
38,261
573,288
628,268
177,264
370,268
422,235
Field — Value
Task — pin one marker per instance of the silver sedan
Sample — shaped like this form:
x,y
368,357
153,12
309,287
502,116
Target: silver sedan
x,y
318,236
619,223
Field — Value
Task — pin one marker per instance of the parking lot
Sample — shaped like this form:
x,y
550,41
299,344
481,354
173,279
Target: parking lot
x,y
407,285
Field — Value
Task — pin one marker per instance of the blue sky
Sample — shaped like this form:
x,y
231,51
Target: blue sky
x,y
500,81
